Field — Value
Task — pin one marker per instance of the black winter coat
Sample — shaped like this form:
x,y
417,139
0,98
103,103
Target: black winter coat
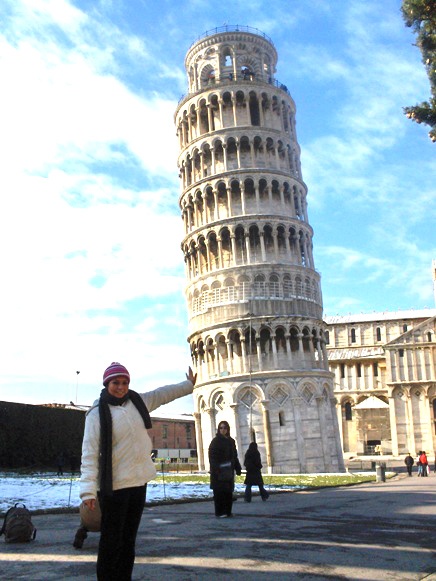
x,y
222,449
253,465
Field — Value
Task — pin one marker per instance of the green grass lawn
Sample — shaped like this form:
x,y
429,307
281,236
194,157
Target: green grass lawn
x,y
277,480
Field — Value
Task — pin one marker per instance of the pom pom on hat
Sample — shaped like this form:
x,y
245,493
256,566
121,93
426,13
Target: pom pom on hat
x,y
115,369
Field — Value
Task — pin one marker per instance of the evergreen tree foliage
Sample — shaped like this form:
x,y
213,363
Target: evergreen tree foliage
x,y
420,15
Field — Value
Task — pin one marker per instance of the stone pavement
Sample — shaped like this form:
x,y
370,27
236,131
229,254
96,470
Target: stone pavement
x,y
366,532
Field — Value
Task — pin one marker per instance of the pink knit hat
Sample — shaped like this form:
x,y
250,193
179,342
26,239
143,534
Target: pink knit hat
x,y
115,369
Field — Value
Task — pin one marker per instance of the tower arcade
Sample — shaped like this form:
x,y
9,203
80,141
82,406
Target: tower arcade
x,y
254,297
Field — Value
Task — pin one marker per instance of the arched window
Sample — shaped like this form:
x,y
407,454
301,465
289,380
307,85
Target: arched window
x,y
378,334
348,412
404,327
327,337
353,335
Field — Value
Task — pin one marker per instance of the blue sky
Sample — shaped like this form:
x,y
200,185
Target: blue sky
x,y
91,229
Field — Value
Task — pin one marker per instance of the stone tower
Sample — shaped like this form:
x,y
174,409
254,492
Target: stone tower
x,y
254,298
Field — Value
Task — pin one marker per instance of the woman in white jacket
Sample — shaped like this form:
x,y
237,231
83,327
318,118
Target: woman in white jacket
x,y
117,464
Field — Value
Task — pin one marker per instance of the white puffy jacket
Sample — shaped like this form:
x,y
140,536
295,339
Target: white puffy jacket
x,y
131,445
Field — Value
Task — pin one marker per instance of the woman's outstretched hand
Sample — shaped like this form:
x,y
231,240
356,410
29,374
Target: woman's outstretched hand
x,y
191,376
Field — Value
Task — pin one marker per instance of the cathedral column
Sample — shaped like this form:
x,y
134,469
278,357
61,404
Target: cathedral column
x,y
410,424
199,440
267,431
421,363
427,417
405,366
338,412
393,422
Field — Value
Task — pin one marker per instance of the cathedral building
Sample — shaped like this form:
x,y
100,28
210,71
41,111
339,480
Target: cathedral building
x,y
254,299
385,381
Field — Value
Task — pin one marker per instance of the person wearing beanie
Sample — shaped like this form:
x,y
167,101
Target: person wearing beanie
x,y
117,464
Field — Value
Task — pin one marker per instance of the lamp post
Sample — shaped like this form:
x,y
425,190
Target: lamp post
x,y
77,383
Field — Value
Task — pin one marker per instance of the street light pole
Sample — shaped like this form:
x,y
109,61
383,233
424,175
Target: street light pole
x,y
77,383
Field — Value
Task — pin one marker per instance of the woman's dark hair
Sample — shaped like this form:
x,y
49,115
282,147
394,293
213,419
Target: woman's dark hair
x,y
223,423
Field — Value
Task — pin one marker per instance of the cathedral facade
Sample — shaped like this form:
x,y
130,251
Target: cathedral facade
x,y
254,296
385,381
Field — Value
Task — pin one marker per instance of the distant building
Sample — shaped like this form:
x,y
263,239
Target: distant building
x,y
173,437
385,380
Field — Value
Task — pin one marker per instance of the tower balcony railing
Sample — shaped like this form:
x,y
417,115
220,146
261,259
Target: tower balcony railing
x,y
233,28
231,78
246,294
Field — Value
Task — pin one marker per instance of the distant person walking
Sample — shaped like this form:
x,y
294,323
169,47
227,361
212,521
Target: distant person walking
x,y
224,462
409,462
418,463
116,464
253,465
60,461
424,463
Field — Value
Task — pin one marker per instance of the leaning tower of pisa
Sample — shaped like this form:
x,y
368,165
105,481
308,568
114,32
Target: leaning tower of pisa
x,y
253,294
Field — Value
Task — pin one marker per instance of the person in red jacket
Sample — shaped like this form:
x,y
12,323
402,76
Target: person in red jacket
x,y
424,463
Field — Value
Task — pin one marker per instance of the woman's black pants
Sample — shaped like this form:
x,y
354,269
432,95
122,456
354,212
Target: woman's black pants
x,y
223,500
120,517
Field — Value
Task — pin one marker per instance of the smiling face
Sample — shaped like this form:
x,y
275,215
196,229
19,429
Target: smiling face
x,y
118,386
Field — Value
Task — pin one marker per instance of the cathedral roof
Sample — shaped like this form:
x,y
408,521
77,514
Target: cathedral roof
x,y
380,316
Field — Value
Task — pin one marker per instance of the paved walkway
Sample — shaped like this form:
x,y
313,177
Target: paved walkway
x,y
366,532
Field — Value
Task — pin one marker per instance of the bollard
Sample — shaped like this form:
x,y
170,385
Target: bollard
x,y
380,472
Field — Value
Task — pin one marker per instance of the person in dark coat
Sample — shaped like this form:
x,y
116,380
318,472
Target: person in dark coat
x,y
224,462
253,465
409,462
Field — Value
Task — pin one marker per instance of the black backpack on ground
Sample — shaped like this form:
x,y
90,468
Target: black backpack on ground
x,y
17,526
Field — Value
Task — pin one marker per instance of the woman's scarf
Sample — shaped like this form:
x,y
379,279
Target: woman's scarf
x,y
106,432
